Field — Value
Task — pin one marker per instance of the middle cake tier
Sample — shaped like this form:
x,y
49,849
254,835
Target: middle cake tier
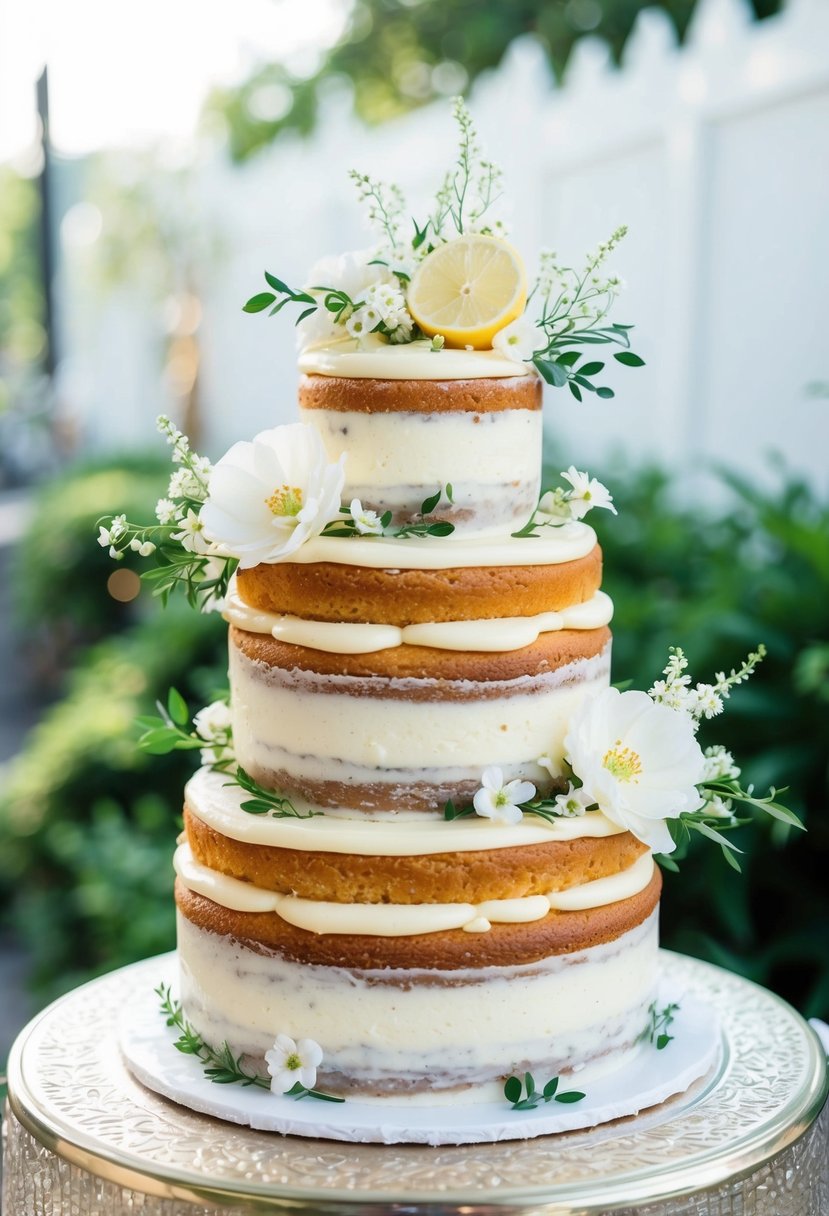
x,y
389,690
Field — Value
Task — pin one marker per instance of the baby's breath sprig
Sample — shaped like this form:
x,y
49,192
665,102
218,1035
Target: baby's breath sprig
x,y
522,1094
385,204
471,187
184,559
574,305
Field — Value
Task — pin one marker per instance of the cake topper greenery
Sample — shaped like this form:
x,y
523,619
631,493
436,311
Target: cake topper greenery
x,y
451,277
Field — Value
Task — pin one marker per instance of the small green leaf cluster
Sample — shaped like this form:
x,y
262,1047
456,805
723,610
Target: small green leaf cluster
x,y
712,826
659,1020
564,368
264,299
264,801
166,732
346,526
523,1095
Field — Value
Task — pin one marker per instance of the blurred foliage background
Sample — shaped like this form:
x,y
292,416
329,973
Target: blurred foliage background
x,y
87,823
399,54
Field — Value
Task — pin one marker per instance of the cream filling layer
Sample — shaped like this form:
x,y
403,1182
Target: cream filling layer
x,y
405,920
371,358
218,805
563,543
398,451
278,715
504,633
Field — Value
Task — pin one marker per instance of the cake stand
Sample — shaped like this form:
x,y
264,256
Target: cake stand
x,y
82,1137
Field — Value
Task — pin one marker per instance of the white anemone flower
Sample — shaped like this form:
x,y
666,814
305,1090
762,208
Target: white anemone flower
x,y
271,495
586,493
638,760
290,1062
499,801
517,341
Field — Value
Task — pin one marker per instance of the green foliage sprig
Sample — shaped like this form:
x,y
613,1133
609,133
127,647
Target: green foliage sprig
x,y
264,801
574,305
380,525
659,1021
523,1094
281,295
220,1065
544,808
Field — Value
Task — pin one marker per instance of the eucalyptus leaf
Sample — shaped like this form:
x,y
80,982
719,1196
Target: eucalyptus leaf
x,y
628,358
260,302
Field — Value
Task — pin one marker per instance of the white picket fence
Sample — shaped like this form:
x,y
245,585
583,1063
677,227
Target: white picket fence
x,y
715,154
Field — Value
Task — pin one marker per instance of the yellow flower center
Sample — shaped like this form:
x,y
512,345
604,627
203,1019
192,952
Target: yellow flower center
x,y
622,762
293,1062
285,500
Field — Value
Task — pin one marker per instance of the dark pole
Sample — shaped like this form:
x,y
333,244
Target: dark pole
x,y
47,248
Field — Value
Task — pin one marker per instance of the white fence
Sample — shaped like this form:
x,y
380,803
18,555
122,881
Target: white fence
x,y
715,154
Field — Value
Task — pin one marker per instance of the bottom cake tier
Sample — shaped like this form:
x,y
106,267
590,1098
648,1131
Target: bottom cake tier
x,y
452,1031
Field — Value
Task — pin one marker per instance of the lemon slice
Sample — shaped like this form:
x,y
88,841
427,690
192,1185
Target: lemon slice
x,y
467,290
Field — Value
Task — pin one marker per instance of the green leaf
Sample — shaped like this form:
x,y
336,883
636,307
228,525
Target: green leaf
x,y
512,1090
575,390
428,505
158,742
449,491
552,372
605,393
277,284
666,863
568,358
628,358
443,528
177,707
550,1088
663,1040
590,369
572,1095
529,1084
259,302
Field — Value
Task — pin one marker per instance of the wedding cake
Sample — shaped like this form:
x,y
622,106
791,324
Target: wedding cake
x,y
418,860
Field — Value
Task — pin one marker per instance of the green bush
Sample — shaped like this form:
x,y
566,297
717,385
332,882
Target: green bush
x,y
87,824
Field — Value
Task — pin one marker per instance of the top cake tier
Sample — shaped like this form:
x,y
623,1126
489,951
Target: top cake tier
x,y
413,422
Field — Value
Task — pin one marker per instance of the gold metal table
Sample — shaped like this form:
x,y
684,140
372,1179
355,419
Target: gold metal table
x,y
82,1138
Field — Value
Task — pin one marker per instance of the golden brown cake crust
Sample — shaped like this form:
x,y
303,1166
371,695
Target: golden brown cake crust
x,y
441,667
420,396
470,877
503,946
327,591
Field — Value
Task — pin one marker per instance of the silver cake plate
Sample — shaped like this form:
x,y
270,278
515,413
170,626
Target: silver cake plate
x,y
647,1078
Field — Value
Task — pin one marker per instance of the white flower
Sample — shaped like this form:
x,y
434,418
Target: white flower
x,y
269,496
638,760
554,505
352,273
213,724
719,807
495,800
290,1062
184,485
142,548
586,493
166,511
387,301
191,536
367,523
719,765
105,537
518,340
201,467
572,803
403,331
705,702
213,568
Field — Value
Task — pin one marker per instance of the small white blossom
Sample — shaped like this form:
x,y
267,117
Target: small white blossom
x,y
719,807
403,331
367,523
213,724
118,527
705,702
586,493
142,547
213,568
191,537
572,803
201,467
555,505
719,765
166,511
358,325
184,485
519,340
105,537
501,802
116,554
291,1062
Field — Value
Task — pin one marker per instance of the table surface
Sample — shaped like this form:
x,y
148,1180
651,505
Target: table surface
x,y
69,1087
